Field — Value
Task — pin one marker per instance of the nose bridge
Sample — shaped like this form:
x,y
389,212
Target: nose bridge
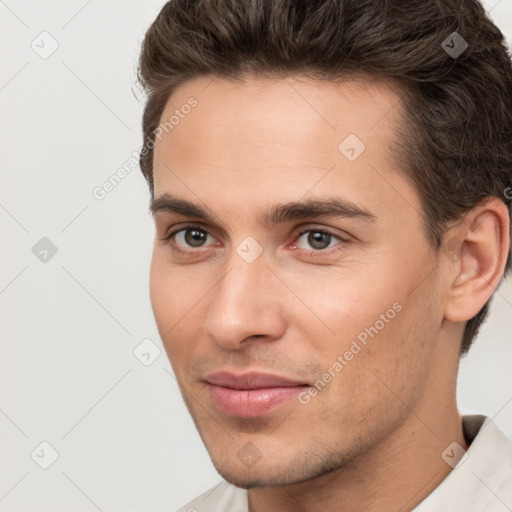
x,y
243,304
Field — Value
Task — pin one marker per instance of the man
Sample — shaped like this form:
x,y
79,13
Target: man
x,y
330,184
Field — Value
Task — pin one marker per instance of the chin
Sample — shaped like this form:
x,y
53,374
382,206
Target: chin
x,y
250,479
302,468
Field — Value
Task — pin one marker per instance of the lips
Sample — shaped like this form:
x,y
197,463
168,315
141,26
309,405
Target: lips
x,y
251,380
251,394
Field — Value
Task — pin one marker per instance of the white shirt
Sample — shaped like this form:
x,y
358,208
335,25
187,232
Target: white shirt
x,y
480,482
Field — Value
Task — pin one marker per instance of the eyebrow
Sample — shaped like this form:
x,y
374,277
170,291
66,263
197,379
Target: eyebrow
x,y
311,208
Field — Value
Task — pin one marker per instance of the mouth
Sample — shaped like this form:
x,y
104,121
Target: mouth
x,y
252,394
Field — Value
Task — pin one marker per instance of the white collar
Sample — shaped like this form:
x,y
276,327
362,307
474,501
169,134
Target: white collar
x,y
482,480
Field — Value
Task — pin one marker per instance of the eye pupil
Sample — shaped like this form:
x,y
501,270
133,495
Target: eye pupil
x,y
319,240
195,237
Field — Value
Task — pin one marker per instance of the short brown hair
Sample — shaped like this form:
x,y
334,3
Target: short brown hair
x,y
456,143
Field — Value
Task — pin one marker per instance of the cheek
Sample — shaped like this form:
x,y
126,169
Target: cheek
x,y
160,290
168,298
175,295
345,301
366,318
388,361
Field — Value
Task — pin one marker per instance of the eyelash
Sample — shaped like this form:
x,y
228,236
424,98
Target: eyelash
x,y
318,252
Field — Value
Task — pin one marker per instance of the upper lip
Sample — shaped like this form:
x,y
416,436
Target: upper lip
x,y
250,380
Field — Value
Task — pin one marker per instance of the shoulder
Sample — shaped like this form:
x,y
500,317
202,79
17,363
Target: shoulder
x,y
224,497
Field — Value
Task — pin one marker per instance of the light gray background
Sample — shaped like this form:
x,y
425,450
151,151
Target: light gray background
x,y
69,376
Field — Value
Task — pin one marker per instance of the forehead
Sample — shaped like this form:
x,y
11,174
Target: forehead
x,y
288,137
261,110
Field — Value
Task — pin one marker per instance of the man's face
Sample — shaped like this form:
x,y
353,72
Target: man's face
x,y
346,308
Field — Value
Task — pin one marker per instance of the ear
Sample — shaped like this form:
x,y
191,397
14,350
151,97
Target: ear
x,y
476,250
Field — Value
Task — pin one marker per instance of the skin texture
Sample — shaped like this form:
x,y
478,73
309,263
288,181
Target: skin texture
x,y
372,438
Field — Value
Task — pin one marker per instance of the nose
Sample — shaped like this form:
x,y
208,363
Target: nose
x,y
245,305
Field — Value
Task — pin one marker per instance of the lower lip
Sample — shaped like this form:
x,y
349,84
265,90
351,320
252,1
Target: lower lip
x,y
250,403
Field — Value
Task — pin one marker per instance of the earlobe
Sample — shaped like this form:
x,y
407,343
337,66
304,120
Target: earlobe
x,y
479,250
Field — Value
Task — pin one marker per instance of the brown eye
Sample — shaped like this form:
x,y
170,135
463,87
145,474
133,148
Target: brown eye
x,y
190,238
317,240
195,237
